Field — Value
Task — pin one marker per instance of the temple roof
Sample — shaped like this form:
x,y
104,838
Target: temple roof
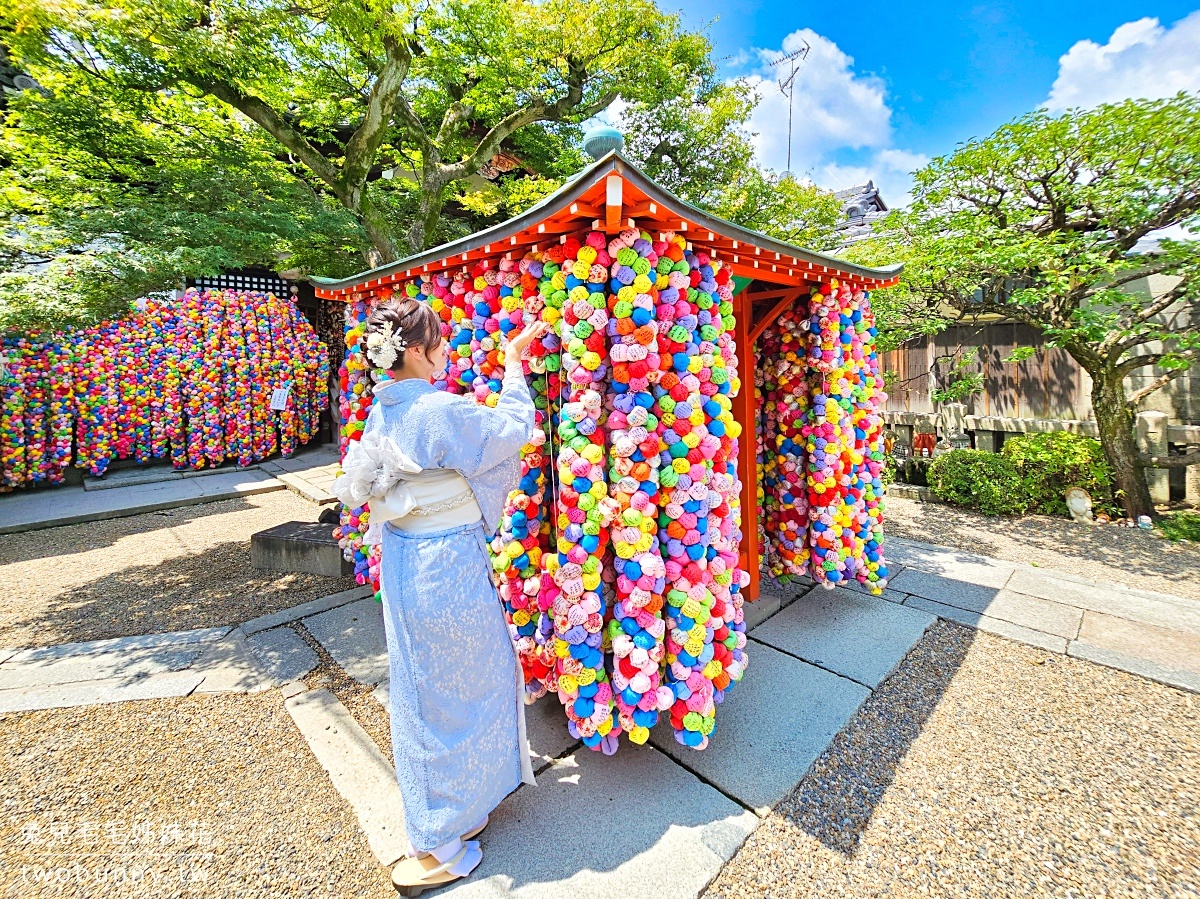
x,y
609,195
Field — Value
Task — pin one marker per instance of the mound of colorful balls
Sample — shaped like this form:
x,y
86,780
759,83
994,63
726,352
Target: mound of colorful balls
x,y
189,378
820,453
617,557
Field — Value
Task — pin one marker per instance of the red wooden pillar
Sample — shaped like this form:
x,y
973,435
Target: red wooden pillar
x,y
744,412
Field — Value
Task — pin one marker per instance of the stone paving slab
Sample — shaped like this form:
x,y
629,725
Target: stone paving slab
x,y
1008,605
87,666
357,768
309,457
755,613
997,626
1157,609
120,689
952,563
304,610
32,510
311,490
283,654
229,666
948,590
353,635
118,644
770,728
664,833
1168,656
852,634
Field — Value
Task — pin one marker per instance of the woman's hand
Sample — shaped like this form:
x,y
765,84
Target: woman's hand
x,y
520,344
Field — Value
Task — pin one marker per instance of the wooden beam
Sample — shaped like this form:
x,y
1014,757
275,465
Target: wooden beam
x,y
786,302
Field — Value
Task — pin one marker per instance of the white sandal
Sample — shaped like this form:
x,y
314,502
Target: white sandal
x,y
413,876
469,835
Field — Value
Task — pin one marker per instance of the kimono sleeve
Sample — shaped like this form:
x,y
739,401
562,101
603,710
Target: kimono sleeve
x,y
477,438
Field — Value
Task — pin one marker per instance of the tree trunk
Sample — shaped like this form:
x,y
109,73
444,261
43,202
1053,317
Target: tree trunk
x,y
430,203
383,247
1115,419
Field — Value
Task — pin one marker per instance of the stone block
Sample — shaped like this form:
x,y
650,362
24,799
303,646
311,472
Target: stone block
x,y
1168,656
97,692
948,590
1018,608
1151,428
770,728
303,546
857,636
955,564
304,610
755,613
357,768
283,654
1158,609
353,635
119,644
666,837
996,626
121,663
229,666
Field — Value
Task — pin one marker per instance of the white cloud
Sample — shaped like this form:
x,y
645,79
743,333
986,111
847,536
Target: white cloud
x,y
832,106
891,170
1142,59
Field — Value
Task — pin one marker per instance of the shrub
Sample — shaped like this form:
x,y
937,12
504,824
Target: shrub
x,y
1178,526
979,480
1051,463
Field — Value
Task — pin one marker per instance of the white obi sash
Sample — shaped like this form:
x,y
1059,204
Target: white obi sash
x,y
413,499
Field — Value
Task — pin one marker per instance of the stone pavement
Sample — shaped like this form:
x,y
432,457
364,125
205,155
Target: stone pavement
x,y
1152,634
262,653
672,816
133,491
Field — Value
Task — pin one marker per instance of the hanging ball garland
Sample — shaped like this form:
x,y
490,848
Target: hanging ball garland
x,y
629,488
176,379
637,628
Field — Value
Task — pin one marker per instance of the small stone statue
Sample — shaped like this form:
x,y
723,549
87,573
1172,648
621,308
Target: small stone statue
x,y
1079,504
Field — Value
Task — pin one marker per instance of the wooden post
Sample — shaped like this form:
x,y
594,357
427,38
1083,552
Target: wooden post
x,y
744,412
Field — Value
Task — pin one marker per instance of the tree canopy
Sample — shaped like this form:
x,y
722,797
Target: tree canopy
x,y
180,138
1042,222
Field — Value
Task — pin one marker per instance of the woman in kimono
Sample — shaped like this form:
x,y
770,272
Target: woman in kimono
x,y
436,469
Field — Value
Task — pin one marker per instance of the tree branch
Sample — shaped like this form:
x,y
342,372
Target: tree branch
x,y
538,112
1148,461
367,138
274,124
1157,384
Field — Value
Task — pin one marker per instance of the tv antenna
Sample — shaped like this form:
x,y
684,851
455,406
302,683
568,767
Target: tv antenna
x,y
787,85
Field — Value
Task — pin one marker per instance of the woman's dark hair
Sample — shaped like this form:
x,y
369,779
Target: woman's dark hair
x,y
412,319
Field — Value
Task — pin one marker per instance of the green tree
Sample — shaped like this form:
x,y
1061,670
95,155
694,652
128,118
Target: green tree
x,y
107,195
1039,223
349,89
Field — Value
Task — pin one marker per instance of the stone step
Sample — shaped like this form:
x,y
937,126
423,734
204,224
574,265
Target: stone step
x,y
357,768
302,546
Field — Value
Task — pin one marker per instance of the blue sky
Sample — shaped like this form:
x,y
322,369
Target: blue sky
x,y
888,85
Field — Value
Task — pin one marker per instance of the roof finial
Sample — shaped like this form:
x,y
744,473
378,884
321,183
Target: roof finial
x,y
602,139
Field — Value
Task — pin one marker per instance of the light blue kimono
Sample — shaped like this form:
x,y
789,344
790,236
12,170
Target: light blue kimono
x,y
457,704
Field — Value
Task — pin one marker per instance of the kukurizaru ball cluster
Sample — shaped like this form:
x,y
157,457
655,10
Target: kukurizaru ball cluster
x,y
617,559
187,378
820,441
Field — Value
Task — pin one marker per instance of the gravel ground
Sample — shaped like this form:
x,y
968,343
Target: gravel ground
x,y
163,571
356,697
987,768
1103,553
219,788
